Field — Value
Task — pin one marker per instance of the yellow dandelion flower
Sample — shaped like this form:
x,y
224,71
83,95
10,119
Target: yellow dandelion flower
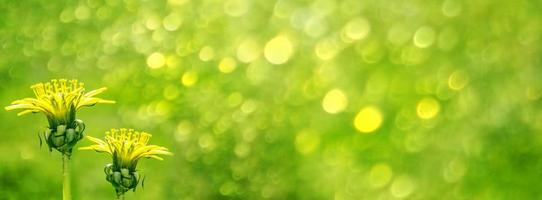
x,y
58,100
126,147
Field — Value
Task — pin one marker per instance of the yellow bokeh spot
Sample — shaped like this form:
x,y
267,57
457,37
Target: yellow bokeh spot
x,y
82,12
248,106
184,128
248,51
424,37
402,187
327,49
227,65
173,61
189,78
67,15
380,175
278,50
206,53
242,150
335,101
234,99
171,92
428,108
451,8
368,119
177,2
236,8
153,22
458,80
357,29
307,141
156,60
455,170
315,27
172,22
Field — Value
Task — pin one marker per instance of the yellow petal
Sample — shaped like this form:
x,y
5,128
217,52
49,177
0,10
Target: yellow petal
x,y
155,157
27,111
95,92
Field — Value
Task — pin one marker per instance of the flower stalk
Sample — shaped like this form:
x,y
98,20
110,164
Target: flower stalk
x,y
66,186
120,195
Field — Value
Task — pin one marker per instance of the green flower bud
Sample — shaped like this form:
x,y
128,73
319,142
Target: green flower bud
x,y
64,138
122,179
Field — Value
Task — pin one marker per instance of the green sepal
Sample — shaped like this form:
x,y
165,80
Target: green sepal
x,y
125,173
58,141
60,130
127,182
117,178
80,126
47,133
39,137
108,169
70,135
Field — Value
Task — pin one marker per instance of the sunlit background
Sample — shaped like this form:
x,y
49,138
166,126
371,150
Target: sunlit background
x,y
287,99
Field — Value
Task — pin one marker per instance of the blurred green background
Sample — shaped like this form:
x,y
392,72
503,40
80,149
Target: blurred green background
x,y
287,99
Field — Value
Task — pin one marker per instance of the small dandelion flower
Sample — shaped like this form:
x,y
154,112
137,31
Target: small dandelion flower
x,y
59,100
126,147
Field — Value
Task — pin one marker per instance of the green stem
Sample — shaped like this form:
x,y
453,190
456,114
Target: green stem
x,y
66,190
120,195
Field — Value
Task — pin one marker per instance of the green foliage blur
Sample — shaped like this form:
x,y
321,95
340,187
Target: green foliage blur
x,y
285,99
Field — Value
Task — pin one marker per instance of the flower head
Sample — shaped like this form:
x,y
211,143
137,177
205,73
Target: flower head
x,y
126,147
58,100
